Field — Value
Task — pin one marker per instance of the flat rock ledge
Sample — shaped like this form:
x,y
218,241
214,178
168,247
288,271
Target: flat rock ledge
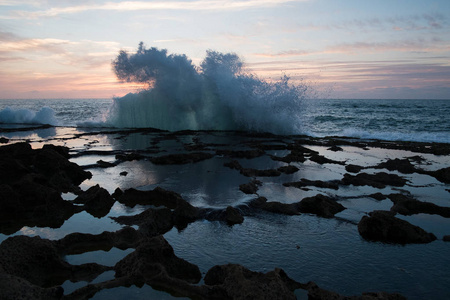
x,y
383,226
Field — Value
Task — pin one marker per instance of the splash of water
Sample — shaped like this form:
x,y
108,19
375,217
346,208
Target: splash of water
x,y
45,115
217,95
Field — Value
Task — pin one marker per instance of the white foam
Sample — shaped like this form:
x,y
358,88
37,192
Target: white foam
x,y
45,115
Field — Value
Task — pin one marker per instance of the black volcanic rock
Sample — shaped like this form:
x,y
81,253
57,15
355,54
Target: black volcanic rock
x,y
320,205
238,282
402,165
251,187
157,197
317,183
154,261
377,180
353,168
384,227
179,159
406,205
97,201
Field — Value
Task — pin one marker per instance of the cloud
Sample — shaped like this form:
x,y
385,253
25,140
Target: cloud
x,y
199,5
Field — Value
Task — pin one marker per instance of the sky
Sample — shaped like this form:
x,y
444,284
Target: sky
x,y
341,48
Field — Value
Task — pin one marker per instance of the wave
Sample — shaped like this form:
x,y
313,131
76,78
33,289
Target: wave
x,y
426,137
218,95
45,115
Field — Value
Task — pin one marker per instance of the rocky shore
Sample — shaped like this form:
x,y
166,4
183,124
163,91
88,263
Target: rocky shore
x,y
33,180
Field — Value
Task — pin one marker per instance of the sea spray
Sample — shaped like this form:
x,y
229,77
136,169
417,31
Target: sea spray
x,y
217,95
45,115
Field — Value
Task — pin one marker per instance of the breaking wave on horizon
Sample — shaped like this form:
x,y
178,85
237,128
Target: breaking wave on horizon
x,y
217,95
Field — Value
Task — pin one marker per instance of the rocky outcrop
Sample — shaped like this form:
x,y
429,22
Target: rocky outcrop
x,y
180,159
154,262
238,282
406,205
251,187
13,288
38,261
157,197
97,201
31,184
317,183
385,227
377,180
320,205
443,175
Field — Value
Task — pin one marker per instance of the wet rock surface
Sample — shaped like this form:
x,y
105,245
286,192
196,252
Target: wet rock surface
x,y
385,227
32,181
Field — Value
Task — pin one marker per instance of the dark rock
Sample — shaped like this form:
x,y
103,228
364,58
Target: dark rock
x,y
317,293
154,261
384,227
377,196
275,207
124,173
353,168
251,187
260,173
234,164
443,175
156,197
129,156
378,180
241,283
97,201
323,160
78,243
229,215
288,169
105,164
184,214
179,159
335,148
38,261
406,205
3,140
446,238
13,288
249,154
233,216
317,183
151,221
402,165
320,205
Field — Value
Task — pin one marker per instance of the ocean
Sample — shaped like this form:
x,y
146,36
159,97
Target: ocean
x,y
329,252
399,120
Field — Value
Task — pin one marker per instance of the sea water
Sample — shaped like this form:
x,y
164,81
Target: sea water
x,y
405,120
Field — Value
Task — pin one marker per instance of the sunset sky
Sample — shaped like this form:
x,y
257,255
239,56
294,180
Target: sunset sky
x,y
342,48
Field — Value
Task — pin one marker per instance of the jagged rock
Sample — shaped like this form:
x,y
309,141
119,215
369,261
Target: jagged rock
x,y
377,180
251,187
406,205
14,288
234,164
335,148
275,207
317,183
179,159
249,154
38,261
240,283
384,227
320,205
377,196
402,165
317,293
151,221
288,169
353,168
260,173
77,243
323,160
154,261
156,197
443,175
97,201
105,164
229,215
446,238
